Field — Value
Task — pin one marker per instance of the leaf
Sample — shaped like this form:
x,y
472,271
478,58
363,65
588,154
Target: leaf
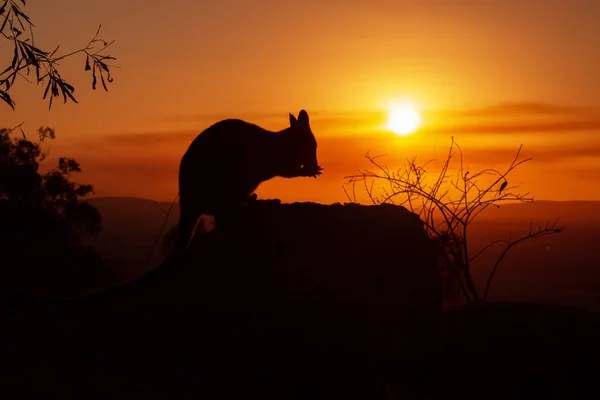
x,y
20,13
6,70
15,58
47,88
38,51
66,90
87,63
31,57
69,93
71,88
103,66
63,90
54,52
4,23
103,83
6,98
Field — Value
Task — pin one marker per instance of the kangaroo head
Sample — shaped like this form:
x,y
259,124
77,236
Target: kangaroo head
x,y
302,146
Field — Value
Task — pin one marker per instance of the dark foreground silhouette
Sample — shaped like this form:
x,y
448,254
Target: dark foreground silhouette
x,y
296,301
225,164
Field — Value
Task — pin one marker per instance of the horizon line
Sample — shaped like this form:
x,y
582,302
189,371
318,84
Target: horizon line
x,y
116,197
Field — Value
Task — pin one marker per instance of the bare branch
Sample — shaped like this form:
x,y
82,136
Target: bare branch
x,y
448,205
547,230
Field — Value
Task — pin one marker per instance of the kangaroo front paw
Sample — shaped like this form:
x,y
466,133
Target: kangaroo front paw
x,y
317,172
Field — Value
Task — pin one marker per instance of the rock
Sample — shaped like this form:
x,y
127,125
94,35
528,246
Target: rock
x,y
329,277
293,291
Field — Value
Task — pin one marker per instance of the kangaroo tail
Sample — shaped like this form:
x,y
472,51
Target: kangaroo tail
x,y
189,222
159,235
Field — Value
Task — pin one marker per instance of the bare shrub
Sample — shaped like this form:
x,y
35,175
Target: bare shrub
x,y
447,205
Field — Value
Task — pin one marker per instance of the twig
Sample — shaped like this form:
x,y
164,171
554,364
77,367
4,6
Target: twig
x,y
510,244
158,236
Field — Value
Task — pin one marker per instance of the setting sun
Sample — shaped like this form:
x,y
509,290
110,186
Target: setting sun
x,y
403,119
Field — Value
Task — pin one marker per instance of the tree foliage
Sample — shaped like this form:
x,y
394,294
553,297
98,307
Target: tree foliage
x,y
447,205
44,214
16,28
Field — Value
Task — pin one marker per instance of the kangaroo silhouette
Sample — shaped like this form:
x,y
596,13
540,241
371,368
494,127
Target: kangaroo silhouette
x,y
227,162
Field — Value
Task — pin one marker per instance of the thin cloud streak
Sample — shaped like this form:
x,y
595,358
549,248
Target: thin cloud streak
x,y
563,127
502,118
346,148
338,155
524,108
145,164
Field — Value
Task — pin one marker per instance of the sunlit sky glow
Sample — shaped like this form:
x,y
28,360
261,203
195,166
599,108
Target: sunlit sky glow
x,y
493,74
403,118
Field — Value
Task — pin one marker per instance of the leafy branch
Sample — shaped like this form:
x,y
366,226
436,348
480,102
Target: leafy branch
x,y
27,58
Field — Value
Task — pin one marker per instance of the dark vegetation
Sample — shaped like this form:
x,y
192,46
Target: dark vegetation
x,y
45,220
285,301
44,215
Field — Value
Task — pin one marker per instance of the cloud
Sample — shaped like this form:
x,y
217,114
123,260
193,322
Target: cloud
x,y
326,126
548,154
539,127
343,153
511,109
514,118
260,117
322,122
510,118
143,139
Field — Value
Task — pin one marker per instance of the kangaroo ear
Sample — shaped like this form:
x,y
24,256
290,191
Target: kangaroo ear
x,y
303,117
293,120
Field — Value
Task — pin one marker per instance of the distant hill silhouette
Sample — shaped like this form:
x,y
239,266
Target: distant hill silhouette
x,y
130,227
579,212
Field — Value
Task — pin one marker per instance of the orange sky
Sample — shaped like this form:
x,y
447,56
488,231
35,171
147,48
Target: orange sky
x,y
495,74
